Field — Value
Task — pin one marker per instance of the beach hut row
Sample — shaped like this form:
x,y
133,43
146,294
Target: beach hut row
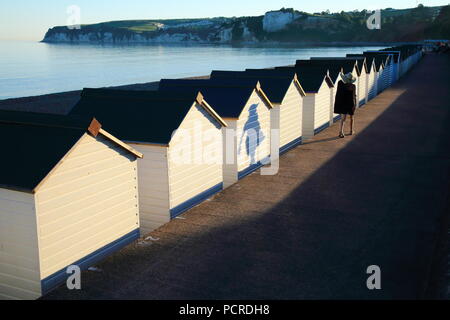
x,y
72,193
408,56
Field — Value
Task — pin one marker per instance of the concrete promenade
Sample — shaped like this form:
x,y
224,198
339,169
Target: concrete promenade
x,y
336,207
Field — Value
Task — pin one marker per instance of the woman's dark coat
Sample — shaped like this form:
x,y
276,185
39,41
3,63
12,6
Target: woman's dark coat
x,y
345,98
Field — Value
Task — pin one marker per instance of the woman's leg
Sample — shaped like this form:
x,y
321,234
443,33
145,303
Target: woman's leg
x,y
341,131
352,124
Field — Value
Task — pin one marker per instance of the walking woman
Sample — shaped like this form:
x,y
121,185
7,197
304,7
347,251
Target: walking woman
x,y
345,103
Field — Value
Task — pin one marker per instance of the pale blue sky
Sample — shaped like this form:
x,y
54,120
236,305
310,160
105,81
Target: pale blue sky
x,y
29,20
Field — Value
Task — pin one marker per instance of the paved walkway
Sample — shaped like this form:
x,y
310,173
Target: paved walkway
x,y
310,232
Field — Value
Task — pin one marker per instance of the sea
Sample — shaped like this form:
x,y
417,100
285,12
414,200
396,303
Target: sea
x,y
30,68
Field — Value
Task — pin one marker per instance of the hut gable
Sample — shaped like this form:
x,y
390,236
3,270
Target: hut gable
x,y
380,60
322,114
86,202
256,98
291,115
38,142
194,157
369,61
362,64
313,84
254,116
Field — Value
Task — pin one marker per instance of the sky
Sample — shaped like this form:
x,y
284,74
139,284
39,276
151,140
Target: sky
x,y
29,20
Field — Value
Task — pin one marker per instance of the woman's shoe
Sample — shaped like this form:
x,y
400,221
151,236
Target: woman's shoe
x,y
352,132
341,135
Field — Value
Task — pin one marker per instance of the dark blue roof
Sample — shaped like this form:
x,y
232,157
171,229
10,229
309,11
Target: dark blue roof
x,y
288,72
275,87
361,62
347,63
228,97
37,142
395,54
406,50
309,77
380,58
369,60
333,68
136,116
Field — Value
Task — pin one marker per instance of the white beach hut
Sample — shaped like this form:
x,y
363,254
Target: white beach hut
x,y
319,95
402,61
405,58
180,137
371,75
345,65
384,69
387,74
68,196
410,55
286,95
317,103
396,61
371,79
363,69
246,111
334,70
379,68
418,53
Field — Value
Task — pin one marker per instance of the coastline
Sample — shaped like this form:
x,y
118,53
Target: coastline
x,y
262,44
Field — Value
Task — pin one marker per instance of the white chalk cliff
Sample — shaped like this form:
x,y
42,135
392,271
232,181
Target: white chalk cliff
x,y
278,20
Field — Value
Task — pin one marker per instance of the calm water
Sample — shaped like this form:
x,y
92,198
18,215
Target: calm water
x,y
30,68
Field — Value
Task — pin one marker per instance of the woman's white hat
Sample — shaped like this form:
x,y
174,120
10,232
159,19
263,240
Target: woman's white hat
x,y
348,78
